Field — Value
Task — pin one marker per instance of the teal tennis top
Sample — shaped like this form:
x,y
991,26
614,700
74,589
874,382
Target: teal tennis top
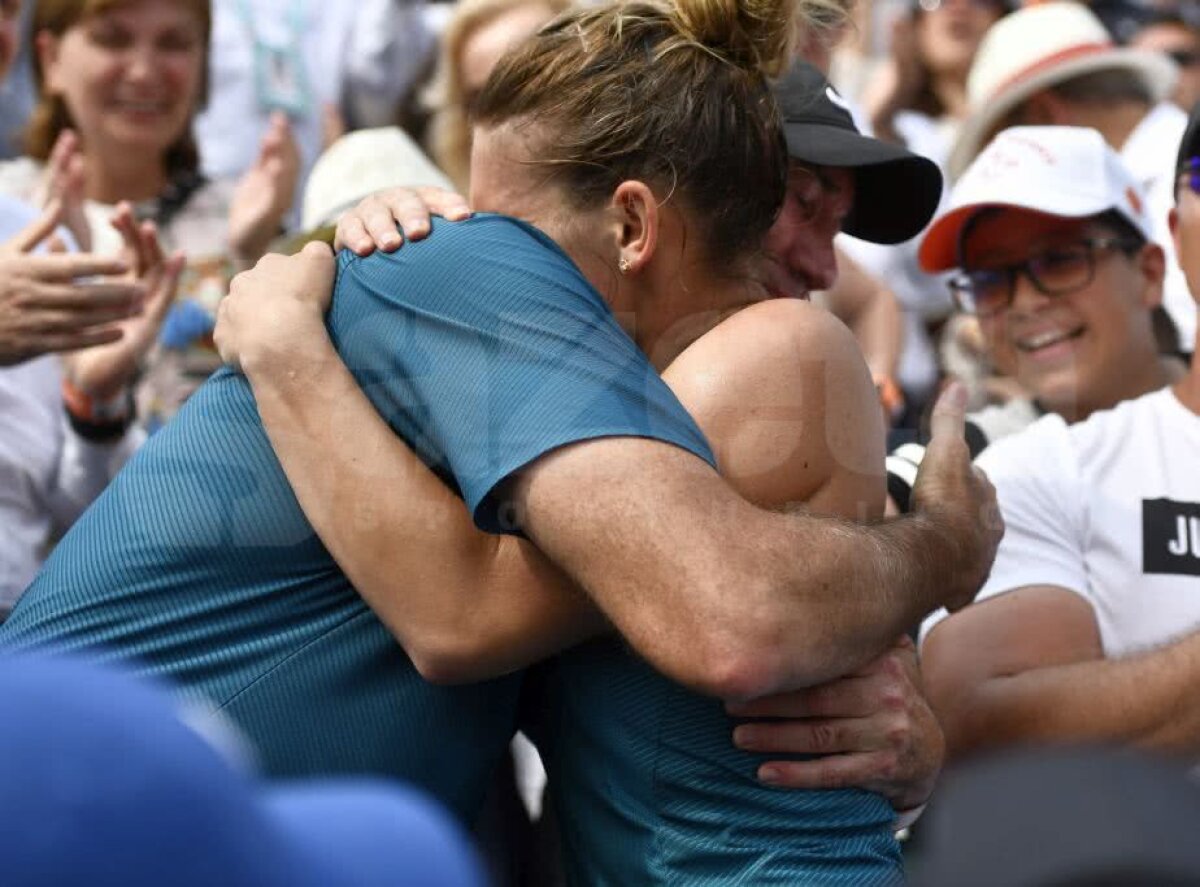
x,y
484,348
650,790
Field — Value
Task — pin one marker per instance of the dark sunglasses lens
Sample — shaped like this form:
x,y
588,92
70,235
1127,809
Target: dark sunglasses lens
x,y
989,290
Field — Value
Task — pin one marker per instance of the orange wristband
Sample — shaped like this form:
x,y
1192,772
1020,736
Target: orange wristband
x,y
89,410
890,395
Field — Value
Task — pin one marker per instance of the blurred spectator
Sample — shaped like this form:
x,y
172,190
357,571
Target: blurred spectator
x,y
64,439
55,457
16,91
1124,357
1167,31
327,66
919,98
920,95
359,164
1064,817
1122,18
1087,627
1055,64
105,784
119,84
477,35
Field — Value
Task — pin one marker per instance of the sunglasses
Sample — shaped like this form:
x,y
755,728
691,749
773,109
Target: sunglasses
x,y
1189,175
1185,58
1065,269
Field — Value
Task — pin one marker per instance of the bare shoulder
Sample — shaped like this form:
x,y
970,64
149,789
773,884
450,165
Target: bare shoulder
x,y
786,400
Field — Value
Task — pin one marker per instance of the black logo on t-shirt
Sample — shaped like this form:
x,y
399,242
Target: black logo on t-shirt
x,y
1170,537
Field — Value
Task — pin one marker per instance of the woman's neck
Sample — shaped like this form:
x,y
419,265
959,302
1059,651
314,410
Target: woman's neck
x,y
130,178
663,340
951,91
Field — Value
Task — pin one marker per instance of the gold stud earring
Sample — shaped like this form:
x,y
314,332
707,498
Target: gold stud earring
x,y
623,265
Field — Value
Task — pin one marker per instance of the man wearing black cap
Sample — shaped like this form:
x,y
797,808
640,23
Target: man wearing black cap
x,y
828,203
893,190
840,180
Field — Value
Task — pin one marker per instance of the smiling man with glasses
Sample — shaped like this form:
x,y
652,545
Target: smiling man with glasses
x,y
1051,239
1087,629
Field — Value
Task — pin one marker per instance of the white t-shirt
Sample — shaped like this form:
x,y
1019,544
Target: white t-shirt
x,y
1109,509
48,474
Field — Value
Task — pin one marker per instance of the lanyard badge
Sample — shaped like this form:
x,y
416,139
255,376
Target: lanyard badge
x,y
280,77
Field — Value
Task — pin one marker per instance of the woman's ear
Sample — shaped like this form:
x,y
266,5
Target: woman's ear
x,y
636,211
1152,262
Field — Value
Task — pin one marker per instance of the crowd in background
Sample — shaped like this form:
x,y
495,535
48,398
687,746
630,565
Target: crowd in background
x,y
152,151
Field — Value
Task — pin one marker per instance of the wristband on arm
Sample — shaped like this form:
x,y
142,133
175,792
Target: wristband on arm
x,y
97,420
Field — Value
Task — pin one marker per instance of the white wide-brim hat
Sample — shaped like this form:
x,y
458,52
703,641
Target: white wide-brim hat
x,y
359,164
1038,47
1064,171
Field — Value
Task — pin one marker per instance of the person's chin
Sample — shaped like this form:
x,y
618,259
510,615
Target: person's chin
x,y
1060,390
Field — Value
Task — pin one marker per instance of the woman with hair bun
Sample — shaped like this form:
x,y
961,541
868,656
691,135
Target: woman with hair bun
x,y
521,364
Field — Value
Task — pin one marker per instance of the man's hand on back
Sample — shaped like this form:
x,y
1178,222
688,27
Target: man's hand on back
x,y
871,730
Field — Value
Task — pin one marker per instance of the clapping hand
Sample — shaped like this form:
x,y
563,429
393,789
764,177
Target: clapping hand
x,y
264,193
57,301
103,371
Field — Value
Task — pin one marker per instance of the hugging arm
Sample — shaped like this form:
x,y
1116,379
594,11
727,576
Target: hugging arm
x,y
738,601
493,603
464,604
726,597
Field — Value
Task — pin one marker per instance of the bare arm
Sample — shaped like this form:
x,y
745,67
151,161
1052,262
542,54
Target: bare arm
x,y
472,601
723,596
480,604
872,729
1028,666
729,598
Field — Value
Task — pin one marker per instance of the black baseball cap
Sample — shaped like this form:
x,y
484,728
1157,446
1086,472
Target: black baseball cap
x,y
896,191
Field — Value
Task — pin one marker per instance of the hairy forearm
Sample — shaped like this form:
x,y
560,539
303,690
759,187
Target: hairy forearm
x,y
724,597
1147,699
871,585
464,604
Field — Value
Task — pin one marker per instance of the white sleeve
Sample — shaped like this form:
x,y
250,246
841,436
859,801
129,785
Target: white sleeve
x,y
1038,486
85,469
